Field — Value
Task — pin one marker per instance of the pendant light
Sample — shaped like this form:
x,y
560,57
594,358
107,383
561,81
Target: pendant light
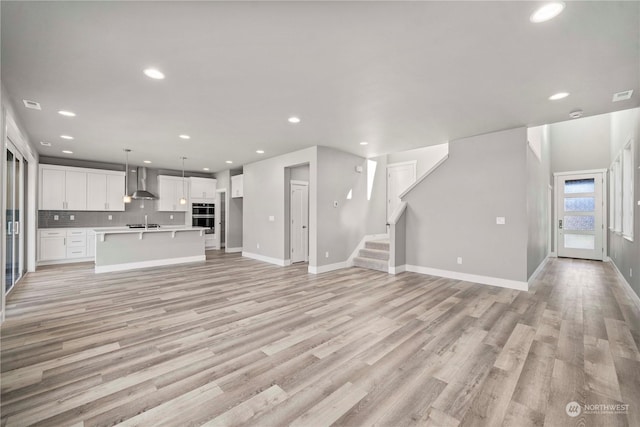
x,y
127,197
183,200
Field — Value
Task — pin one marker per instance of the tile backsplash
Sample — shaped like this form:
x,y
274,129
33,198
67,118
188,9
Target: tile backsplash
x,y
134,214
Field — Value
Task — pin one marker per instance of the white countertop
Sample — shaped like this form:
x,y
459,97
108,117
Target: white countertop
x,y
162,229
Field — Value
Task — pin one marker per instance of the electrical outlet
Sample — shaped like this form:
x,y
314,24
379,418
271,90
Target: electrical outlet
x,y
258,245
170,216
72,217
335,203
326,254
56,217
631,272
110,217
272,218
459,260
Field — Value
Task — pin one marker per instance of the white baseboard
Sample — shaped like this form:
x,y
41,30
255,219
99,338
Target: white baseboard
x,y
475,278
367,238
232,250
328,267
634,297
66,261
276,261
553,255
538,270
147,264
397,270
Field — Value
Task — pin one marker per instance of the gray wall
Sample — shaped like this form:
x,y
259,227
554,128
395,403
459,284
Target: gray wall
x,y
538,172
341,228
453,212
264,196
233,214
425,157
580,144
376,217
624,253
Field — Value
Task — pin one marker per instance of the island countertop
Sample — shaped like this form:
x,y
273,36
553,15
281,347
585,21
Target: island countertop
x,y
161,229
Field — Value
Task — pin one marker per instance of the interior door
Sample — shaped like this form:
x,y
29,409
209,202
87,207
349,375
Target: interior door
x,y
299,231
399,177
579,222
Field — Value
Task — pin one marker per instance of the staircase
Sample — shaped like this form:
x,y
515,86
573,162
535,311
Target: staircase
x,y
374,255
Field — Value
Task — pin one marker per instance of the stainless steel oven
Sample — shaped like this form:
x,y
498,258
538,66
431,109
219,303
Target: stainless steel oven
x,y
204,215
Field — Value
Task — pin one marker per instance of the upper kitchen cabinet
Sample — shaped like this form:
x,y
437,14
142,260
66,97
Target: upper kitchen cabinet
x,y
170,190
105,191
63,188
203,190
237,186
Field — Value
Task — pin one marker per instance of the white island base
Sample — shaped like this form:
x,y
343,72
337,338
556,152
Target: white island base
x,y
129,249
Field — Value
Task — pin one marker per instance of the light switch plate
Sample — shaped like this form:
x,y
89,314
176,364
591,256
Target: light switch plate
x,y
72,217
500,220
170,216
272,218
110,217
56,217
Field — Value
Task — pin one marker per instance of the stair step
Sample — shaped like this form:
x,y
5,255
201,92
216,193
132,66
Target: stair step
x,y
374,253
382,245
371,263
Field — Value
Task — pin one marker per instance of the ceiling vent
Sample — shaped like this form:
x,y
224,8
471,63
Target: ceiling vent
x,y
622,96
32,104
46,144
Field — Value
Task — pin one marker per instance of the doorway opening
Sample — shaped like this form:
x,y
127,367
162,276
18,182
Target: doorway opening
x,y
399,177
299,221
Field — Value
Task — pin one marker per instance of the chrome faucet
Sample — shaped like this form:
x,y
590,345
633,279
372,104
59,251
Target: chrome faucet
x,y
146,223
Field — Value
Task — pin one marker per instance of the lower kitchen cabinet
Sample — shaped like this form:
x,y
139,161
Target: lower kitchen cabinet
x,y
65,245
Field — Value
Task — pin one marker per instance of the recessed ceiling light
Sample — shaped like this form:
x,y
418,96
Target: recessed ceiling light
x,y
576,114
154,73
260,151
67,113
66,137
294,120
558,95
546,12
46,144
147,161
228,161
364,143
184,136
67,152
205,169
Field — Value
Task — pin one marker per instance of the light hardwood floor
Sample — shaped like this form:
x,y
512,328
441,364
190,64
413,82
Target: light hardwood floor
x,y
238,342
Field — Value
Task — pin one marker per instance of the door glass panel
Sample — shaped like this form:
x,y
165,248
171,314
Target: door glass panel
x,y
9,223
580,241
579,204
572,186
16,219
583,223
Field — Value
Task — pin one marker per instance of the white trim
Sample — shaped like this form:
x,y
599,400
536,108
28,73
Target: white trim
x,y
474,278
288,262
538,270
232,250
66,261
633,296
147,264
408,162
553,254
294,181
326,268
423,176
365,239
395,216
580,172
276,261
397,270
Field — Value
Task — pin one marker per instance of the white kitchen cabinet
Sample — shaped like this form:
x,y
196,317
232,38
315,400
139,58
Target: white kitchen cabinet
x,y
170,190
52,189
76,190
202,190
52,245
105,191
237,186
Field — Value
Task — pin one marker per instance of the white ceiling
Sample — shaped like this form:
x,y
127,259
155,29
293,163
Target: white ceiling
x,y
399,75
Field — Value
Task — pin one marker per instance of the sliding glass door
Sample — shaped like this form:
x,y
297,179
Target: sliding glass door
x,y
15,201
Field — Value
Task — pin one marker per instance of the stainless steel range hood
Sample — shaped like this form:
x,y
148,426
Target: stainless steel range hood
x,y
141,193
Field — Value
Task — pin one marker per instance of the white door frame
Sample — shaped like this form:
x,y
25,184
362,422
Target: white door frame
x,y
306,248
219,196
605,210
413,163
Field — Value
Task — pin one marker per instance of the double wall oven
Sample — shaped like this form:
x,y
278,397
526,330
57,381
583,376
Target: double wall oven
x,y
204,215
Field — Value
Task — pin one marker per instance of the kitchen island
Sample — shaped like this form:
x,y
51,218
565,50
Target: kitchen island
x,y
120,249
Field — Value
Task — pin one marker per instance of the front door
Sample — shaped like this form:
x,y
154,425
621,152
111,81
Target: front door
x,y
399,177
579,222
